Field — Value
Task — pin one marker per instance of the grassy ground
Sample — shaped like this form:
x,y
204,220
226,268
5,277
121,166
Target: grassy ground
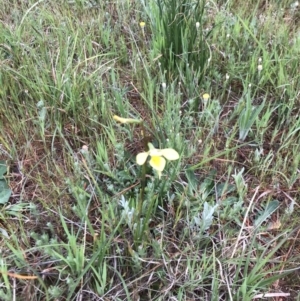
x,y
80,219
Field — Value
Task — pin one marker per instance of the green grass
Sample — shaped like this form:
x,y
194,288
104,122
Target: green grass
x,y
79,219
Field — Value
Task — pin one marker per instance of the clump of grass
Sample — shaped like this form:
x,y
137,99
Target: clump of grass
x,y
179,39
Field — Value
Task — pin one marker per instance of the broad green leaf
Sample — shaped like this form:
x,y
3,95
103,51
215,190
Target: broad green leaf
x,y
208,183
4,233
3,169
224,188
5,192
207,216
4,196
192,180
266,213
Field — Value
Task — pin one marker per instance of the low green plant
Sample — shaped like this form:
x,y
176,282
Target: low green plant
x,y
254,264
157,158
248,116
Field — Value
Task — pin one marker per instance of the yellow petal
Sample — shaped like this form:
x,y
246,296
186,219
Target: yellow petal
x,y
170,154
125,120
150,146
141,158
154,152
158,163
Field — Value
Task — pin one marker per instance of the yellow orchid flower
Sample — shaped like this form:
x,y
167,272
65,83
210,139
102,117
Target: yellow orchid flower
x,y
142,25
205,96
158,158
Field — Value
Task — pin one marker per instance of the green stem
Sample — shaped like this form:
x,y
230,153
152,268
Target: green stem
x,y
143,178
142,192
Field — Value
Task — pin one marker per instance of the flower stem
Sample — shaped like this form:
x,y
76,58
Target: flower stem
x,y
143,177
142,192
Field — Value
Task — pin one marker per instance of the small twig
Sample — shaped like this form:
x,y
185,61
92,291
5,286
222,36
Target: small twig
x,y
14,289
271,295
244,221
